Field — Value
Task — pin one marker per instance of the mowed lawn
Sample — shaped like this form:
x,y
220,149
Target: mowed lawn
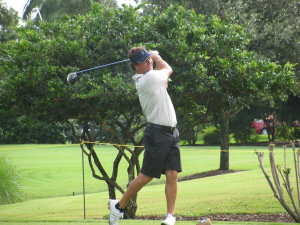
x,y
52,178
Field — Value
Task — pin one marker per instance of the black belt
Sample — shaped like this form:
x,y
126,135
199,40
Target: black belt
x,y
161,126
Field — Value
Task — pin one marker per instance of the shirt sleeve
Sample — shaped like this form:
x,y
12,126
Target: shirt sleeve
x,y
157,79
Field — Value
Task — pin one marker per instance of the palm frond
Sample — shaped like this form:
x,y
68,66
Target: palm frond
x,y
30,4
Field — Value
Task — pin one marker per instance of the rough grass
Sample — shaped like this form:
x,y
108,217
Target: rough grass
x,y
10,182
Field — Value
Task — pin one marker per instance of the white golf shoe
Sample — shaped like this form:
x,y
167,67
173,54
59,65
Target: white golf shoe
x,y
170,220
114,214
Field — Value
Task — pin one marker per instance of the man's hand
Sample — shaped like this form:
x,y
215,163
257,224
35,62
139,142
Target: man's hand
x,y
160,63
155,56
154,52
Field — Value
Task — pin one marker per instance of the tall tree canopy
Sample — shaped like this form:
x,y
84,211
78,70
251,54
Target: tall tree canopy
x,y
5,14
273,25
8,20
52,10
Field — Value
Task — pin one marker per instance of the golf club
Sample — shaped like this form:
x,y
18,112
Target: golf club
x,y
72,77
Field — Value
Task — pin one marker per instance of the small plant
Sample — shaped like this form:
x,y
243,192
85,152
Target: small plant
x,y
284,133
211,135
285,176
10,182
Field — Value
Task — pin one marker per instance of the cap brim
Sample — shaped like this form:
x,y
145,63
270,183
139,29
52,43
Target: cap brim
x,y
141,57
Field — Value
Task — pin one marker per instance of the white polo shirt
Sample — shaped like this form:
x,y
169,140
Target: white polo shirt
x,y
154,98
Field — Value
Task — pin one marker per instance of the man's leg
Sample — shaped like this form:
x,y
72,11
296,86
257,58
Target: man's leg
x,y
140,181
117,207
171,189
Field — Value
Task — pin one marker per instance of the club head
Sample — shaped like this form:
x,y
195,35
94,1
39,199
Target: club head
x,y
72,78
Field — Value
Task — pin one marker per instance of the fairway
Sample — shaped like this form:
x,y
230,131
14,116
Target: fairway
x,y
53,184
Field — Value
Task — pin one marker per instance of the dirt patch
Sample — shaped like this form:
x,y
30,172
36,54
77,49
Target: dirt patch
x,y
207,174
265,143
262,143
279,218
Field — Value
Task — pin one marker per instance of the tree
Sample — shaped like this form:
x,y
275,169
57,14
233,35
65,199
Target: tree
x,y
5,15
273,25
8,20
52,10
291,206
22,130
203,7
211,67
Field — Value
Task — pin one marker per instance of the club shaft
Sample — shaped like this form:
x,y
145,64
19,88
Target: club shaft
x,y
99,67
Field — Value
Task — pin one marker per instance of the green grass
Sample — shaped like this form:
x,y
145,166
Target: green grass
x,y
10,191
53,172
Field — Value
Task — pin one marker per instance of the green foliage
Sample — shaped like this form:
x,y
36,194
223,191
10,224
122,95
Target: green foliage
x,y
245,135
241,126
287,113
25,131
288,133
200,6
10,186
53,51
9,19
285,134
211,135
272,26
53,10
208,55
6,15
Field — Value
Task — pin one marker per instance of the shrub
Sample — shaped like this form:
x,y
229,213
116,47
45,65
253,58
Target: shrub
x,y
241,127
245,135
211,135
10,182
254,137
285,133
288,133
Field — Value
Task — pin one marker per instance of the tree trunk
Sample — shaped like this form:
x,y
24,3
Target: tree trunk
x,y
224,139
111,191
131,208
195,136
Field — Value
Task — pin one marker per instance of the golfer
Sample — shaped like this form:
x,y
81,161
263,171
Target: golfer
x,y
161,138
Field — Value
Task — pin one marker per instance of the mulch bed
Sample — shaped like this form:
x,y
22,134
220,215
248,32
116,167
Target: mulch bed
x,y
207,174
279,218
263,143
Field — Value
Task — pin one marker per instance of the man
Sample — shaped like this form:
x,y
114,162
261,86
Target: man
x,y
161,138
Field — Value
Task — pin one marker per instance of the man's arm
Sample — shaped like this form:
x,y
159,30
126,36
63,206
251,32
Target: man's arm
x,y
160,63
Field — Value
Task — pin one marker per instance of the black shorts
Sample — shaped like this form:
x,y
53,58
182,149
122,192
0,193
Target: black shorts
x,y
161,151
